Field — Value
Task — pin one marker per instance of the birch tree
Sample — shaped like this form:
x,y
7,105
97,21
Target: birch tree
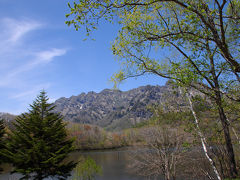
x,y
196,43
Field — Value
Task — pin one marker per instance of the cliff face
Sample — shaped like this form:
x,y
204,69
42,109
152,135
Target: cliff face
x,y
114,109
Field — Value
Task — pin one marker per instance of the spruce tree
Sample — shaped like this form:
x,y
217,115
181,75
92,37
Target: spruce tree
x,y
2,143
39,146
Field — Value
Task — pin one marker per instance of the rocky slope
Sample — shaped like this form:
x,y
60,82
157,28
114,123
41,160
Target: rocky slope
x,y
115,109
7,117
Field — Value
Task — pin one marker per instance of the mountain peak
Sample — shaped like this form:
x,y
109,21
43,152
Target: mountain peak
x,y
114,109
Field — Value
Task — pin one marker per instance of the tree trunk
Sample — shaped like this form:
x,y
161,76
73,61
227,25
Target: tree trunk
x,y
167,175
202,138
225,124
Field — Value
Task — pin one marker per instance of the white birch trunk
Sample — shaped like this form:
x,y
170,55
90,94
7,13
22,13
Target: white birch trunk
x,y
234,132
203,139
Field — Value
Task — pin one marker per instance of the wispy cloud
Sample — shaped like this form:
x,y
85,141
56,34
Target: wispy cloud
x,y
30,93
12,32
42,57
39,58
14,29
21,59
47,56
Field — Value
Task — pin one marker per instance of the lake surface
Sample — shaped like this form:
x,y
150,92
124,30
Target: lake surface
x,y
114,165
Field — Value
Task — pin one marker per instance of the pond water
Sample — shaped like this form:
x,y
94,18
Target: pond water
x,y
114,165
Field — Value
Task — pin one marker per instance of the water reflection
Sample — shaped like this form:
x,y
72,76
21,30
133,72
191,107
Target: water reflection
x,y
114,165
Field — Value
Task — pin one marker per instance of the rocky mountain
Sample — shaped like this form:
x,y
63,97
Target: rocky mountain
x,y
115,109
7,117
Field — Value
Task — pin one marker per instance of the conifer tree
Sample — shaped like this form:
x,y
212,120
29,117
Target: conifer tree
x,y
39,146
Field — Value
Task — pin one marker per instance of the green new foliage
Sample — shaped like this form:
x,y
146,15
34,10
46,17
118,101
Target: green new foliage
x,y
38,147
201,39
185,26
87,169
2,143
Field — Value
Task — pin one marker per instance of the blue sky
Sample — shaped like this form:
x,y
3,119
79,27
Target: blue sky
x,y
38,51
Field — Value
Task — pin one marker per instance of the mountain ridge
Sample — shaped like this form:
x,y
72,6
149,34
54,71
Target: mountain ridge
x,y
116,109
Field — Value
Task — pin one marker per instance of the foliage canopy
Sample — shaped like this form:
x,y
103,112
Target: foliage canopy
x,y
193,29
196,43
